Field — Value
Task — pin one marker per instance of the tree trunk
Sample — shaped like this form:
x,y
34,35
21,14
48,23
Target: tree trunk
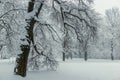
x,y
85,49
21,61
63,56
85,56
112,56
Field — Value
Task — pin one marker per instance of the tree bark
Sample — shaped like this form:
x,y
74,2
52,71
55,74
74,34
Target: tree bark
x,y
63,56
85,56
112,56
21,61
85,49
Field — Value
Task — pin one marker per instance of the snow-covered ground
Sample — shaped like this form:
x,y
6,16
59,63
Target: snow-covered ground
x,y
69,70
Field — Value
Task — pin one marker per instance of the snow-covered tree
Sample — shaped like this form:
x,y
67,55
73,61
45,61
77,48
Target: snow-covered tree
x,y
27,38
78,15
112,19
33,28
7,25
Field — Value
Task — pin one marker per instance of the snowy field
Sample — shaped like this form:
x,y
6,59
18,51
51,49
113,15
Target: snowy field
x,y
69,70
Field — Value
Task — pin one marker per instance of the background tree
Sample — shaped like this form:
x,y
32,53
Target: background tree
x,y
113,17
79,17
8,23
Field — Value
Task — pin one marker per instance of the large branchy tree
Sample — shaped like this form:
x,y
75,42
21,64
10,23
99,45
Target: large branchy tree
x,y
27,41
112,19
74,16
27,37
81,18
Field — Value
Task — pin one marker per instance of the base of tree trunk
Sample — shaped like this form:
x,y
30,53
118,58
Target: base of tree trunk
x,y
63,56
112,58
21,61
85,56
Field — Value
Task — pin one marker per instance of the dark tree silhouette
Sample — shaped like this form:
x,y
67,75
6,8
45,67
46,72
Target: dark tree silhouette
x,y
22,58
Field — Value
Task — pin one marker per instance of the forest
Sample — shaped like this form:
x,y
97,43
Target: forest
x,y
38,35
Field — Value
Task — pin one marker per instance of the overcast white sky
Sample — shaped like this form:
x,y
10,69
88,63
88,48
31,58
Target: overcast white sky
x,y
102,5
